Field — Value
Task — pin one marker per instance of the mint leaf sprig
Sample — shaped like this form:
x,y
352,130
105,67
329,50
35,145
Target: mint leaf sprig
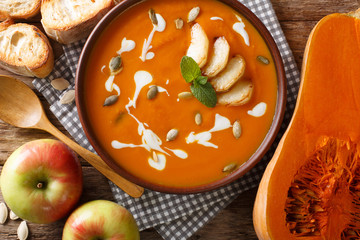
x,y
200,87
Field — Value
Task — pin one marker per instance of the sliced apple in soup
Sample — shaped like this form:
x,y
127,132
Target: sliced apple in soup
x,y
199,45
233,71
239,94
219,58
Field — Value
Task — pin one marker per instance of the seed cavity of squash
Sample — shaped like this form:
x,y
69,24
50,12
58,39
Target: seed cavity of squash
x,y
263,60
324,198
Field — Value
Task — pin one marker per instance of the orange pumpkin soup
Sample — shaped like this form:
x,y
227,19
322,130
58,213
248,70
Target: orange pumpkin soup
x,y
148,124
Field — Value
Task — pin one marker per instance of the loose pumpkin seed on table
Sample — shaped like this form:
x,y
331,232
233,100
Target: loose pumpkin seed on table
x,y
13,216
68,97
3,213
60,84
22,231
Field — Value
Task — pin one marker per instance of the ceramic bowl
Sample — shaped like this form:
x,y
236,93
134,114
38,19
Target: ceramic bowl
x,y
250,163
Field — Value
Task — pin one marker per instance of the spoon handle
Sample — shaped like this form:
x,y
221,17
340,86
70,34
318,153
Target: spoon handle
x,y
130,188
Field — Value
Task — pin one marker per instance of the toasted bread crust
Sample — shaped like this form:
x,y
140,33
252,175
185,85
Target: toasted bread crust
x,y
19,8
72,27
25,50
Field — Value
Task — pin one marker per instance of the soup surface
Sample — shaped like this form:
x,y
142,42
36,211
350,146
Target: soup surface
x,y
134,129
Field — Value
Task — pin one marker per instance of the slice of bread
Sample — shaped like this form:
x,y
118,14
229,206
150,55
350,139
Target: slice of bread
x,y
68,21
25,50
18,8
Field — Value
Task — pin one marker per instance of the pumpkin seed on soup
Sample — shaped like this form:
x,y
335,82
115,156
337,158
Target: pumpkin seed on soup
x,y
153,91
119,116
110,100
115,65
263,60
155,157
229,168
198,118
179,23
152,16
236,129
185,95
193,14
172,134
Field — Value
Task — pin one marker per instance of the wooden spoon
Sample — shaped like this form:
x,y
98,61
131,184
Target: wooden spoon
x,y
19,106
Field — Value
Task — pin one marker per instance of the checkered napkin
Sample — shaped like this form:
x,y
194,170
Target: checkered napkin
x,y
175,216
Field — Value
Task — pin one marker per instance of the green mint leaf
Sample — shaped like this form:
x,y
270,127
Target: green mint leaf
x,y
201,80
204,93
189,69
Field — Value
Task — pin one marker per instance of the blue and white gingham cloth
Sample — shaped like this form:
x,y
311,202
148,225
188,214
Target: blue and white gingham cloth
x,y
176,216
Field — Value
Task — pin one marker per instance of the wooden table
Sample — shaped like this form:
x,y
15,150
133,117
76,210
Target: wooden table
x,y
297,18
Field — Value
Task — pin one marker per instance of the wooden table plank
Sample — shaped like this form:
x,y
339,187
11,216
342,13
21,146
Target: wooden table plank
x,y
297,18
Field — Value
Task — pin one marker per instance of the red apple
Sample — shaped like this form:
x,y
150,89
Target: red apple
x,y
41,181
101,219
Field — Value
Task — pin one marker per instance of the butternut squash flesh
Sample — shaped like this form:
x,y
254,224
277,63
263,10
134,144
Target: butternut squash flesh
x,y
311,187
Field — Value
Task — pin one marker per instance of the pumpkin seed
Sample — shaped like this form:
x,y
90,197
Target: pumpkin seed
x,y
153,91
185,95
193,14
230,167
236,129
13,216
68,97
198,118
119,116
115,65
263,60
155,157
60,84
179,23
22,231
110,100
172,134
152,16
3,213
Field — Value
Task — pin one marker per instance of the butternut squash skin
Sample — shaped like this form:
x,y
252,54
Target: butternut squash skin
x,y
328,105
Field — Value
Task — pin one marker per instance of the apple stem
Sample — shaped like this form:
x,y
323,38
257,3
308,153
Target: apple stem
x,y
40,185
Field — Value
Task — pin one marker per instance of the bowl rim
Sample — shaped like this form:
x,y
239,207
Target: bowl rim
x,y
245,167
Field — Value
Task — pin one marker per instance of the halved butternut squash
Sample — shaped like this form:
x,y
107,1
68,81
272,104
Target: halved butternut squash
x,y
311,187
